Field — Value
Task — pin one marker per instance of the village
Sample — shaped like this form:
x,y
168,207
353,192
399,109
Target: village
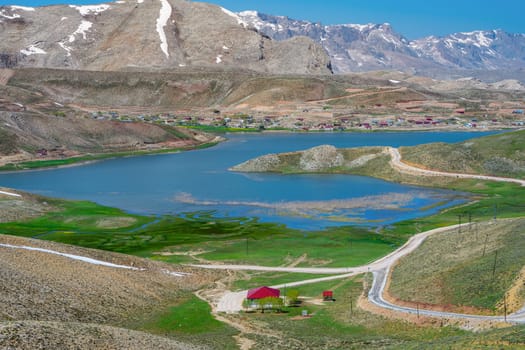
x,y
307,120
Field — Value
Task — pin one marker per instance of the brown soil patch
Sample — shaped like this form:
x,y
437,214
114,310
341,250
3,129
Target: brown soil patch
x,y
5,75
514,296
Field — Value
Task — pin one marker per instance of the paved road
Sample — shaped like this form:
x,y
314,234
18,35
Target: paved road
x,y
231,302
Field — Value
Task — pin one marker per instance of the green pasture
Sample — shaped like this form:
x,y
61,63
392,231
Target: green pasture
x,y
190,320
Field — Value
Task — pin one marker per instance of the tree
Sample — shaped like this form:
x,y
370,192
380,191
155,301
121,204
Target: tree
x,y
292,297
270,303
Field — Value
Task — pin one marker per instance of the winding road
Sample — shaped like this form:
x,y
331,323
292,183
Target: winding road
x,y
231,302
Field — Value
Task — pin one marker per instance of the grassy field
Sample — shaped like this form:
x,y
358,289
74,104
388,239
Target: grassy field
x,y
472,267
251,280
170,239
333,247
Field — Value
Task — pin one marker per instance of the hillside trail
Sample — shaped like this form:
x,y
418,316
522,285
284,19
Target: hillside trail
x,y
358,94
231,302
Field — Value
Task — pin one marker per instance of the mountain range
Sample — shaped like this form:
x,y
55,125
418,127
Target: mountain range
x,y
152,35
357,48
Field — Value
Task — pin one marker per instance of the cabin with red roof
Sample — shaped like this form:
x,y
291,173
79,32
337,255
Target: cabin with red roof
x,y
263,292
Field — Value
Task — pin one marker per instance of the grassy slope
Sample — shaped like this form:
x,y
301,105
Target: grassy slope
x,y
474,267
501,155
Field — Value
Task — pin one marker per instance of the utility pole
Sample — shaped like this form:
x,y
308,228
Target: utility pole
x,y
417,309
494,266
505,306
351,303
459,223
485,244
246,246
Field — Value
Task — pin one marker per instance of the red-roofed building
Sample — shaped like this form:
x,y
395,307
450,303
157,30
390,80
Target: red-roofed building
x,y
263,292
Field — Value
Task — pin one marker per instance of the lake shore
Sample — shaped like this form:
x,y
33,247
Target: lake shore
x,y
21,163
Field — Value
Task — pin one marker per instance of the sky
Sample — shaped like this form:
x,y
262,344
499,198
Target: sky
x,y
412,18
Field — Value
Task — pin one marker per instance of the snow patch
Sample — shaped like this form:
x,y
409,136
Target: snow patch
x,y
140,1
63,18
65,47
72,256
394,81
2,14
87,9
33,50
231,14
218,59
84,27
164,16
224,47
9,193
23,8
176,274
360,27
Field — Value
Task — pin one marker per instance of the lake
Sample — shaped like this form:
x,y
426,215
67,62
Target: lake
x,y
200,181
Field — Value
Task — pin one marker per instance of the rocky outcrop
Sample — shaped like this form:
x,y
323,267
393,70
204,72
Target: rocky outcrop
x,y
147,35
266,163
324,158
320,157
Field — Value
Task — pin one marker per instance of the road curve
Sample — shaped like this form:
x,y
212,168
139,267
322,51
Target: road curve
x,y
397,164
375,296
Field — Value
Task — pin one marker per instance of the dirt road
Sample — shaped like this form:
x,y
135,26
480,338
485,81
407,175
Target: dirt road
x,y
397,164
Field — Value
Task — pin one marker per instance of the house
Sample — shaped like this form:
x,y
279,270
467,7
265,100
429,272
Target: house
x,y
263,292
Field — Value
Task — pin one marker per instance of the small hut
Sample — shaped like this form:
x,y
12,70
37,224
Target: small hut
x,y
328,295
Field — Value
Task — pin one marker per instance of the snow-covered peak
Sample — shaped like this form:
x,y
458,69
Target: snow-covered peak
x,y
248,14
231,14
22,8
360,27
91,9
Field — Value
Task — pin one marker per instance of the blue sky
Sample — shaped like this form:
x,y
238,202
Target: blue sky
x,y
411,18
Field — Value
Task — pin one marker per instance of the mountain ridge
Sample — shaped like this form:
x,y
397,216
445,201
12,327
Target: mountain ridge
x,y
358,48
147,35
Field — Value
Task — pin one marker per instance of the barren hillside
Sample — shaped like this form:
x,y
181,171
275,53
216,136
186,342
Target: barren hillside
x,y
39,287
147,35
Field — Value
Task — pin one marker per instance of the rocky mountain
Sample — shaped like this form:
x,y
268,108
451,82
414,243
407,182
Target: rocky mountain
x,y
147,35
354,47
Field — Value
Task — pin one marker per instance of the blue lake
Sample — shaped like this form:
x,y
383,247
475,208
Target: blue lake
x,y
200,180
